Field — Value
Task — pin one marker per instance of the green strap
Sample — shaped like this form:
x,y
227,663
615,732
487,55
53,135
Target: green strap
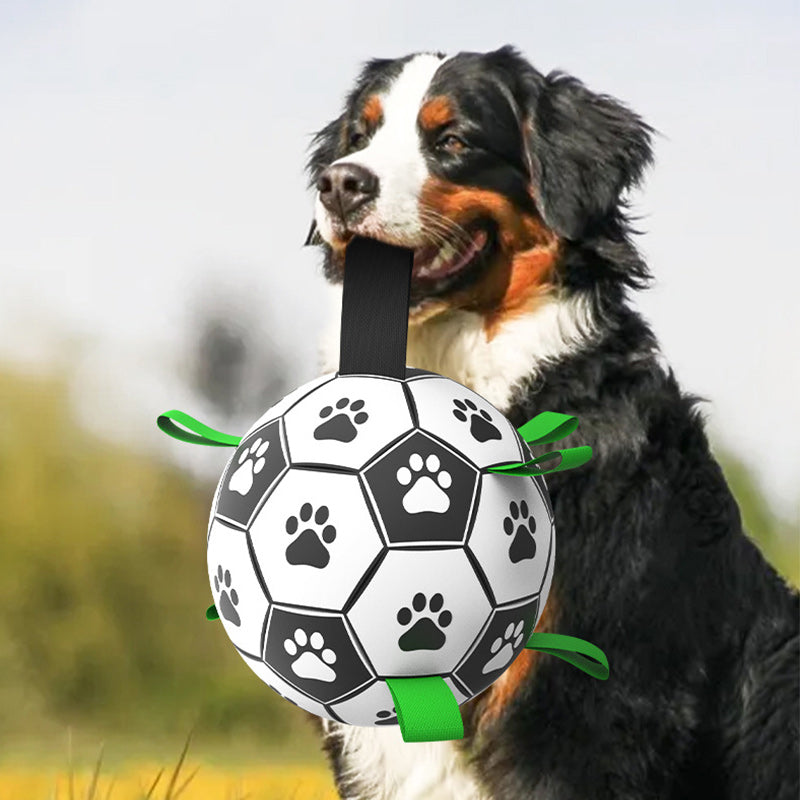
x,y
426,709
428,712
212,613
547,427
569,458
581,654
197,432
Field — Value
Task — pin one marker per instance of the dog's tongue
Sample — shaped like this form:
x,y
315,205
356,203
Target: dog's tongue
x,y
434,262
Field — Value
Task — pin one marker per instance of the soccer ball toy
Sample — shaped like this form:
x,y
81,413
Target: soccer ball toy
x,y
369,528
356,535
381,548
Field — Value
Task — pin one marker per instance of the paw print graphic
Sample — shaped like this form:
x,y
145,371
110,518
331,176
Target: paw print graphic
x,y
480,422
386,717
427,484
312,660
310,547
228,597
427,632
521,525
251,462
504,647
341,426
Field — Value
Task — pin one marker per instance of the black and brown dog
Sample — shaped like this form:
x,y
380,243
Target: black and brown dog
x,y
510,186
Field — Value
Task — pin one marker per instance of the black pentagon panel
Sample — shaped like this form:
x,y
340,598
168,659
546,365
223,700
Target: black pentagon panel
x,y
254,469
422,492
501,641
315,653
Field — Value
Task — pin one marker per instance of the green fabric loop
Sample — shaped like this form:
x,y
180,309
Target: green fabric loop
x,y
197,432
570,458
212,613
581,654
547,427
426,709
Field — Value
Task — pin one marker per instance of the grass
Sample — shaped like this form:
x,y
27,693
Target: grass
x,y
183,780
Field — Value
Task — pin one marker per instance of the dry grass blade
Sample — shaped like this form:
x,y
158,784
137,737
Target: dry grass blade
x,y
91,789
180,789
153,785
108,791
174,777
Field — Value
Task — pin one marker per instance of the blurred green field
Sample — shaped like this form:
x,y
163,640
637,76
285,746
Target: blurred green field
x,y
103,554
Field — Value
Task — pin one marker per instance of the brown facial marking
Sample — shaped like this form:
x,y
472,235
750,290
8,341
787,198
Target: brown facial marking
x,y
523,269
499,695
435,113
372,112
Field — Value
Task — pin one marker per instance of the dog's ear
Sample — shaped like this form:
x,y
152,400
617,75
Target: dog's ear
x,y
585,150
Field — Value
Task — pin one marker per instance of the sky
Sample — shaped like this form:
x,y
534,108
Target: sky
x,y
153,151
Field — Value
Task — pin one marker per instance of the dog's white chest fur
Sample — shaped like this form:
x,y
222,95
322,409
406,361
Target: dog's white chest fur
x,y
377,760
384,767
455,345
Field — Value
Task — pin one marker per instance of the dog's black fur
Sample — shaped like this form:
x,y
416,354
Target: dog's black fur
x,y
653,564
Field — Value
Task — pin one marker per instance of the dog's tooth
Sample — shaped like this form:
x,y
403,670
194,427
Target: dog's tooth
x,y
447,252
442,257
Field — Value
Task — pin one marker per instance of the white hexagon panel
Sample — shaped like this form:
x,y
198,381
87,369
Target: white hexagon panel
x,y
512,537
374,706
315,539
346,421
420,612
238,595
316,653
464,420
285,403
284,689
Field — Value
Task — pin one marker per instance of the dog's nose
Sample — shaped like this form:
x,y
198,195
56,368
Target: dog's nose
x,y
345,187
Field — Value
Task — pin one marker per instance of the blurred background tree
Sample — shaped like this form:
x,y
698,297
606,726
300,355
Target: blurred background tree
x,y
233,363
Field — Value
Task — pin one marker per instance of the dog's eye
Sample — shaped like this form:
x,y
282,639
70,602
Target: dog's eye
x,y
450,143
357,139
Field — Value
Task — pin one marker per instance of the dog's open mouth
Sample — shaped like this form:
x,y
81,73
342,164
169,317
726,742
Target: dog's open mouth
x,y
444,265
441,268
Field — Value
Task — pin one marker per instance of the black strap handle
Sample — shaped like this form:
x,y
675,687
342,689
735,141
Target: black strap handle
x,y
377,285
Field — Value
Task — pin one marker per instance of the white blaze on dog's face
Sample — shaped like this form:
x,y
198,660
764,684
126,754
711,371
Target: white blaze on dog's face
x,y
394,155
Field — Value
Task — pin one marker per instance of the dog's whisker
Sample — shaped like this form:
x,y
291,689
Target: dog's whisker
x,y
451,225
446,234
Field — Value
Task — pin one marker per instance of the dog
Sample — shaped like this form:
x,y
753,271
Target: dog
x,y
511,185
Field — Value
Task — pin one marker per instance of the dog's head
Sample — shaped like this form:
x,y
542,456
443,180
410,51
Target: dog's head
x,y
488,169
